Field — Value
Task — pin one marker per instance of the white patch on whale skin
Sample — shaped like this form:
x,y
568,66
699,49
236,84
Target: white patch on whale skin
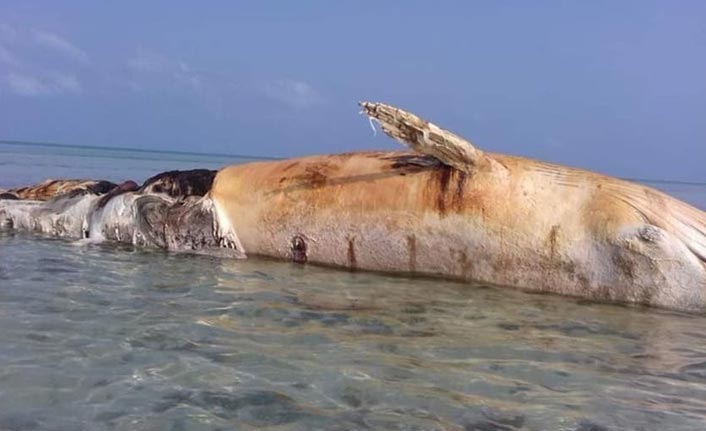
x,y
660,267
118,220
223,229
60,217
132,218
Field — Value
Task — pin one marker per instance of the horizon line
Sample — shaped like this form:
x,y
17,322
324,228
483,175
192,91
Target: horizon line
x,y
138,150
251,157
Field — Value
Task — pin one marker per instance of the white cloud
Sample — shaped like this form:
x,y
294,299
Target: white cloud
x,y
147,63
33,75
25,85
158,66
7,57
66,83
34,86
7,32
187,76
60,45
293,93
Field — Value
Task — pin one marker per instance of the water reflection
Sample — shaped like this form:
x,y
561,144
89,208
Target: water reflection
x,y
99,337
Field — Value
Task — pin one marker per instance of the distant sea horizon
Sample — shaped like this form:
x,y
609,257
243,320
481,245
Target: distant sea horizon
x,y
24,162
11,142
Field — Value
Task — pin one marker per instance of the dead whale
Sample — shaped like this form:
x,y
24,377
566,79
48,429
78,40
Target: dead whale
x,y
445,209
450,210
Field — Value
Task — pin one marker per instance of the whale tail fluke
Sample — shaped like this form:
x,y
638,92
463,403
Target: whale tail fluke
x,y
425,137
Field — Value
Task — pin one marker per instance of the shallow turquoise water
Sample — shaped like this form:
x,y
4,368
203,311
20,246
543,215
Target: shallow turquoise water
x,y
102,337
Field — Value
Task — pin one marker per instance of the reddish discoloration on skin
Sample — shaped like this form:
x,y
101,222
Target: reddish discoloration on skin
x,y
412,249
352,260
443,177
553,233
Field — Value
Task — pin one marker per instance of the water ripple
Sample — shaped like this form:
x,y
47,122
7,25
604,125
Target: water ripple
x,y
100,337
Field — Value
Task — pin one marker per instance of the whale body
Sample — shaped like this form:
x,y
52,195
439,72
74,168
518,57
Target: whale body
x,y
444,209
528,224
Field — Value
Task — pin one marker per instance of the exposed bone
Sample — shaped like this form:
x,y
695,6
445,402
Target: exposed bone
x,y
426,138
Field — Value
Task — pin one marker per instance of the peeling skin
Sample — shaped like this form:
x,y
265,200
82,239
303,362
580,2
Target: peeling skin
x,y
174,223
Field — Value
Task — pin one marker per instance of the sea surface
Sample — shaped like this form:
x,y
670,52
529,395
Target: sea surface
x,y
106,337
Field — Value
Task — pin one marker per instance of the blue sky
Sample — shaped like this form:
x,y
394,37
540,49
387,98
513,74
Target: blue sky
x,y
613,86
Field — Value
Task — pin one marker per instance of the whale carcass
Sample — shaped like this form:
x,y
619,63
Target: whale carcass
x,y
443,209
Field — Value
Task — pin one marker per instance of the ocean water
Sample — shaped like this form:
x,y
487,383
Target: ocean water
x,y
106,337
26,163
